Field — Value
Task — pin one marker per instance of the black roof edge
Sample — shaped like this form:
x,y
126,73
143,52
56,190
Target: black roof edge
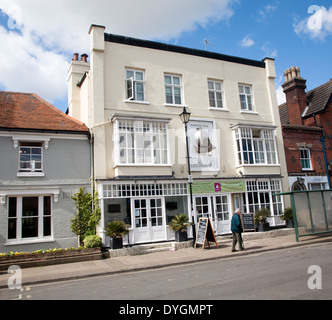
x,y
86,133
178,49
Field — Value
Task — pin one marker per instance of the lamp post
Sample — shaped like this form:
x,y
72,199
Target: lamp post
x,y
185,117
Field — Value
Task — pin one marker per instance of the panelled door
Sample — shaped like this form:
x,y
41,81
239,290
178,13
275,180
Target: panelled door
x,y
149,220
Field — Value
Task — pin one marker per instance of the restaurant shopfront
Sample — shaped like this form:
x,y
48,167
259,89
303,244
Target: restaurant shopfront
x,y
149,206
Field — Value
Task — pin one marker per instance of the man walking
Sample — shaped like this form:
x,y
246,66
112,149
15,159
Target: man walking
x,y
236,227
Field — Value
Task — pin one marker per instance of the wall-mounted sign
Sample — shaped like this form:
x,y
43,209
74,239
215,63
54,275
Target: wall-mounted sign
x,y
203,144
224,186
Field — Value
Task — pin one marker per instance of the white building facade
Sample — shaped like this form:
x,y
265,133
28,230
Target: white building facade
x,y
131,94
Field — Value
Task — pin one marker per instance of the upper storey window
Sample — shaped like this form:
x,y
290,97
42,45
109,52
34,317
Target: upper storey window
x,y
135,85
173,89
246,98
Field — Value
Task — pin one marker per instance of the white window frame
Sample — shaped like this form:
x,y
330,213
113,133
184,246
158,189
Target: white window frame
x,y
137,133
258,151
259,191
215,91
248,98
132,84
173,86
19,218
307,159
31,163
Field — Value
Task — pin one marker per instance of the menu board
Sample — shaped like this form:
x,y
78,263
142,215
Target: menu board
x,y
248,222
205,233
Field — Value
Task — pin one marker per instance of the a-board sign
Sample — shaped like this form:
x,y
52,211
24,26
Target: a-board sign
x,y
205,232
248,222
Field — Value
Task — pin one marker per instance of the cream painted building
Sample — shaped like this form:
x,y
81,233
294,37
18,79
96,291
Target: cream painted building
x,y
131,94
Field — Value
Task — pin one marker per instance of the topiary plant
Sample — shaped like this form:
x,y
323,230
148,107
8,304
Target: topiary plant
x,y
92,241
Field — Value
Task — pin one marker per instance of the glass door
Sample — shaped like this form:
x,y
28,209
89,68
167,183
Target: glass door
x,y
149,220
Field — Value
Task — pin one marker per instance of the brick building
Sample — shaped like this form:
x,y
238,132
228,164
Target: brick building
x,y
306,119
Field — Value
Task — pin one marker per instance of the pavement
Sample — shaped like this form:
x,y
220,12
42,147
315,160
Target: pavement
x,y
254,244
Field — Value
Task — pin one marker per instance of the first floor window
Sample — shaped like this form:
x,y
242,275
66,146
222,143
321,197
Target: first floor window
x,y
31,157
255,146
29,217
141,142
305,159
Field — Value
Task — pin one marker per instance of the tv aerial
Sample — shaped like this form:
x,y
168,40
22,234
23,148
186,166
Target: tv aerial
x,y
206,42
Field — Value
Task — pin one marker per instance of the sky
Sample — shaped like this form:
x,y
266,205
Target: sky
x,y
38,37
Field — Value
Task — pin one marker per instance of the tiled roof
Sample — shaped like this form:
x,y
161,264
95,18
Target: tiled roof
x,y
318,99
30,112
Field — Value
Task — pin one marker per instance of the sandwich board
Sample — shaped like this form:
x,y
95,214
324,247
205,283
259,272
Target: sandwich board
x,y
205,233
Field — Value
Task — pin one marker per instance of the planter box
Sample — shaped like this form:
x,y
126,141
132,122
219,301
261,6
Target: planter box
x,y
181,236
290,224
50,258
263,227
116,243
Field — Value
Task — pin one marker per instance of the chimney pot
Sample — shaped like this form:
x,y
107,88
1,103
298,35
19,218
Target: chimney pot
x,y
75,57
84,57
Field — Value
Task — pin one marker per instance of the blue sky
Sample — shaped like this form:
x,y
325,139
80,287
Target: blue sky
x,y
38,37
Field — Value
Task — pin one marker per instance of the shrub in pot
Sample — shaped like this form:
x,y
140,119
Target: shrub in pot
x,y
180,224
116,230
260,219
288,217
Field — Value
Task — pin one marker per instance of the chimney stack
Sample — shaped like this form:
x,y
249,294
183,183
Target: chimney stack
x,y
296,99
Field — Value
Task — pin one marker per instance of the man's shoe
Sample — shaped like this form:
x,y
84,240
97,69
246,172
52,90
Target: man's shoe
x,y
233,250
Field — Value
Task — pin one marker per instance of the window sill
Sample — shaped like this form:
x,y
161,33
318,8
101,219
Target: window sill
x,y
137,101
218,109
174,105
34,241
30,174
258,165
249,112
141,165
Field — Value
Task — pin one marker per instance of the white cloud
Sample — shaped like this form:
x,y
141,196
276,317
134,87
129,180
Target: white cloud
x,y
42,34
268,51
247,42
317,26
266,12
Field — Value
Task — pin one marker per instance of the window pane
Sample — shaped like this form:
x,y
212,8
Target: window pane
x,y
176,81
29,227
168,79
30,207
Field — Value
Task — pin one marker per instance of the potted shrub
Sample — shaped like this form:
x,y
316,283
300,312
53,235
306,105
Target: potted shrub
x,y
180,224
288,217
116,230
260,219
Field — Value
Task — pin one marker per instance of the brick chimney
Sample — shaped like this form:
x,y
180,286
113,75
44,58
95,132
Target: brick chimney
x,y
294,89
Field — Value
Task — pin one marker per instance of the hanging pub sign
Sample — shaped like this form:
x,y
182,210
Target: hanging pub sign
x,y
205,233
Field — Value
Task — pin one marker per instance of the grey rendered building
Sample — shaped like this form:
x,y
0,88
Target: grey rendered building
x,y
45,159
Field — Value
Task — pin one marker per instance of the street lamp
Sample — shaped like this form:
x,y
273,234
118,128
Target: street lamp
x,y
185,117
